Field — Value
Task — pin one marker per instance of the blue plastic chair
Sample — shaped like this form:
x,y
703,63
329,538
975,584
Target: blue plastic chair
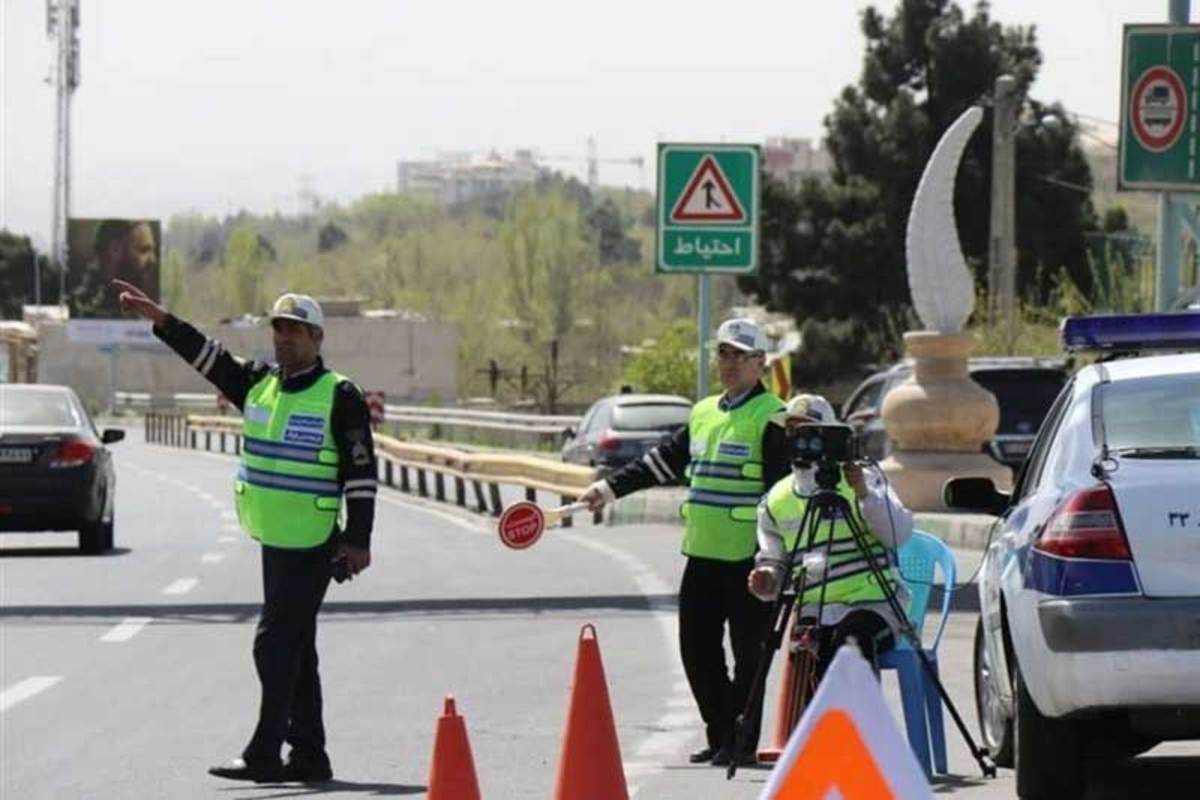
x,y
919,558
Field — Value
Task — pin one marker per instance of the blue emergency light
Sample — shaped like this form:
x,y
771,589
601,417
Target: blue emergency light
x,y
1164,331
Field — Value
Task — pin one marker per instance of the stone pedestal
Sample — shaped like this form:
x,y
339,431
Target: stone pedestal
x,y
940,420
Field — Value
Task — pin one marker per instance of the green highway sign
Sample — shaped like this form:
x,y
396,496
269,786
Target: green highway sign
x,y
707,208
1160,81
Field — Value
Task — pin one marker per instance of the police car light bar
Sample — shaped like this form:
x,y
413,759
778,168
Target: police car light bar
x,y
1164,331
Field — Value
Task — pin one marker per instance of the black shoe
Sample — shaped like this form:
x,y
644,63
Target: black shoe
x,y
725,755
239,770
703,756
307,771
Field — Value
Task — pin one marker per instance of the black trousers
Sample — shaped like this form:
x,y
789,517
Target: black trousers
x,y
869,630
285,655
712,594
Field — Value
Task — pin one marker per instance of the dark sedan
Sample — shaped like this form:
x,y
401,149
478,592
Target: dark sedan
x,y
55,472
621,428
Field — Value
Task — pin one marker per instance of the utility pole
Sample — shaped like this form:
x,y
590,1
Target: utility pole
x,y
593,173
62,25
1002,271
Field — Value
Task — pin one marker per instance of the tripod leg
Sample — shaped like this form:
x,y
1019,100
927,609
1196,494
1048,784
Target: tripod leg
x,y
986,765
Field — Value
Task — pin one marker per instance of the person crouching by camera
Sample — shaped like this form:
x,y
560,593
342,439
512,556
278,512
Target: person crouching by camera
x,y
855,605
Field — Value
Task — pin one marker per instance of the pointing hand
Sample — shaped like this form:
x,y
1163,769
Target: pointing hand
x,y
134,301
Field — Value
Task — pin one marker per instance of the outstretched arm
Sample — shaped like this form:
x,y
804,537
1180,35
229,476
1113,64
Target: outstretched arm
x,y
231,375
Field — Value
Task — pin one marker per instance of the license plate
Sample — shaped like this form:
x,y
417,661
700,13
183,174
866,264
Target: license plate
x,y
16,455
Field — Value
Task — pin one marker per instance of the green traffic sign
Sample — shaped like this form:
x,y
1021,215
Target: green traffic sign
x,y
707,208
1160,79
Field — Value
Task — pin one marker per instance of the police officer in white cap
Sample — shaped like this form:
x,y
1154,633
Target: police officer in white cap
x,y
730,455
307,455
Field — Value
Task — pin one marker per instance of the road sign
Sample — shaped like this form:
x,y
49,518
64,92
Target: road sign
x,y
708,201
1160,80
521,525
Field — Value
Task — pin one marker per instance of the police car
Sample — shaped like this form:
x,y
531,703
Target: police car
x,y
1088,643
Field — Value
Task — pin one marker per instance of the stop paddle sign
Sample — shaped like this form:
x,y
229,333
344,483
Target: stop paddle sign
x,y
521,525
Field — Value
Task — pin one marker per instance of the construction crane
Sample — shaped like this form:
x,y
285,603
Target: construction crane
x,y
593,161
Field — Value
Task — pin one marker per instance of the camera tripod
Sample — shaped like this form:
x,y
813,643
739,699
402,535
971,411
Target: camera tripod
x,y
826,507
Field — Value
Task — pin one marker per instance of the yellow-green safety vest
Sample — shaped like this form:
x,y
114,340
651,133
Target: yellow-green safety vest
x,y
287,488
725,477
848,576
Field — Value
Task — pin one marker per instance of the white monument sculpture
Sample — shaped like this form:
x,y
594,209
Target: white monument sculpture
x,y
939,418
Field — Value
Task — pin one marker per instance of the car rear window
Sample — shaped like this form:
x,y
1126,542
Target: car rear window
x,y
32,406
649,416
1162,411
1024,395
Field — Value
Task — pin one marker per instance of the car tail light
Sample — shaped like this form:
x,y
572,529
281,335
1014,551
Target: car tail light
x,y
72,453
608,441
1087,525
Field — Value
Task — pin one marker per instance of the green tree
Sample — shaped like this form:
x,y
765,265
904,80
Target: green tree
x,y
245,263
834,250
668,364
16,274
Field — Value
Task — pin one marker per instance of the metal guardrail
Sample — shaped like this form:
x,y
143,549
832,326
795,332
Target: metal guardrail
x,y
544,430
408,466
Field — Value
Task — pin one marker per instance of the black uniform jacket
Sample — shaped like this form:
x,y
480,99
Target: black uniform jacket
x,y
666,463
350,420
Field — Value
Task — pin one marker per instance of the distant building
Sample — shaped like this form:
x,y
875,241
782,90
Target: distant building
x,y
457,177
792,160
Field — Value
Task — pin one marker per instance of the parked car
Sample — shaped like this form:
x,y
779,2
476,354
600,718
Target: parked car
x,y
1024,389
1087,643
56,473
618,429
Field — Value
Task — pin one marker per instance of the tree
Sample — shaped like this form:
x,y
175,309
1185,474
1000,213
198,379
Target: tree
x,y
16,274
668,365
834,249
610,231
245,263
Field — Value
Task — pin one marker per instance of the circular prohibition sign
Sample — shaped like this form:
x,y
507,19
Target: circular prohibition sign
x,y
521,525
1158,108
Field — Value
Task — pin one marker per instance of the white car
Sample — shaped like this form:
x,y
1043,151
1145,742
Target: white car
x,y
1088,643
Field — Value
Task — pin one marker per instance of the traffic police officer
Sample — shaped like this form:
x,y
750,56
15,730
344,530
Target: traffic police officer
x,y
854,603
307,452
730,455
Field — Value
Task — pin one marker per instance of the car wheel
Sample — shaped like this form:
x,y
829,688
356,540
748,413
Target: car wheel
x,y
1049,758
995,726
96,537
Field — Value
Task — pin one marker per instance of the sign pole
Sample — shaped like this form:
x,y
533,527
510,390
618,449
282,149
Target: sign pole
x,y
703,313
1166,267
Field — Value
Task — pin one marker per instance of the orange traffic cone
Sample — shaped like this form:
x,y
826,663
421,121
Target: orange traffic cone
x,y
795,689
590,765
452,773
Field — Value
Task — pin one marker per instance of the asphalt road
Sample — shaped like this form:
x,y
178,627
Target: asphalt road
x,y
127,675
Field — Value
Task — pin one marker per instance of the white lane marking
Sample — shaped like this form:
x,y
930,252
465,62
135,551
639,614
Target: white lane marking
x,y
206,497
126,629
212,558
675,728
231,527
229,516
226,539
181,586
26,689
474,527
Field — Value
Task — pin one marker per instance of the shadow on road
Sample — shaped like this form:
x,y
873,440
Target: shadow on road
x,y
269,791
1146,776
58,552
241,612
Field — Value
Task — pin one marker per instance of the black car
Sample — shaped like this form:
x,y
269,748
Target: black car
x,y
1024,388
55,472
623,427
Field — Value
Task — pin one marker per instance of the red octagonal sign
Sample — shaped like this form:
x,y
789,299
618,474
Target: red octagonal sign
x,y
1158,108
521,525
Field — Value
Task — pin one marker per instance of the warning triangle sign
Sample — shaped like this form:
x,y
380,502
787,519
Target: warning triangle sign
x,y
708,197
847,744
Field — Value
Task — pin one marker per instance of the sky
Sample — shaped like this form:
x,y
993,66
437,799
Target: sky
x,y
223,105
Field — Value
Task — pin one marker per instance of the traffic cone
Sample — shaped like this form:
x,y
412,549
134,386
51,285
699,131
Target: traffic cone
x,y
590,765
790,708
452,773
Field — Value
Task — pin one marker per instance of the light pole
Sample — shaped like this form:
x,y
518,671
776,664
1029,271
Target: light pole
x,y
1002,273
62,24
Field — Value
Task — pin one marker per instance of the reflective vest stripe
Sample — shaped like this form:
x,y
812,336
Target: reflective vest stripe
x,y
723,499
290,452
289,483
710,470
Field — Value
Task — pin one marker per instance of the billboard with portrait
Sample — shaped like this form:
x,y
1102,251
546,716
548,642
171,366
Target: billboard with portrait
x,y
100,250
